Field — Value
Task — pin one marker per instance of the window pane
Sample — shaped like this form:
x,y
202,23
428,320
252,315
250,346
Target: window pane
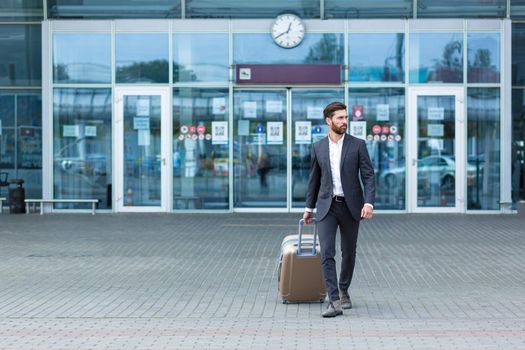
x,y
200,57
21,10
483,162
461,8
82,58
315,49
142,115
251,9
82,146
21,140
517,9
384,108
368,9
518,54
483,58
436,58
436,149
518,146
21,56
376,57
142,58
200,163
307,113
114,9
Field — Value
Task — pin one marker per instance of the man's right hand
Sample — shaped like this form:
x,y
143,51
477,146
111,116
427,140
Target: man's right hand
x,y
307,217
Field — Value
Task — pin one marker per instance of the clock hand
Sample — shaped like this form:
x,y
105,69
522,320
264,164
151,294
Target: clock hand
x,y
281,34
287,31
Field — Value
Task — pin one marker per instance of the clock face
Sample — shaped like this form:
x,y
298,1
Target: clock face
x,y
288,31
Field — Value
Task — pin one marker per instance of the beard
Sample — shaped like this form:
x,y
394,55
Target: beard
x,y
340,130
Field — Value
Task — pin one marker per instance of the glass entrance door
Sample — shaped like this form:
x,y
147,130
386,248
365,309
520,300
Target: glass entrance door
x,y
308,127
273,133
260,149
141,159
436,161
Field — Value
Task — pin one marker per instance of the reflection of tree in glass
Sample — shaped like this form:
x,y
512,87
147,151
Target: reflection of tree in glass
x,y
154,71
483,59
450,68
328,50
181,73
482,70
61,72
395,73
452,55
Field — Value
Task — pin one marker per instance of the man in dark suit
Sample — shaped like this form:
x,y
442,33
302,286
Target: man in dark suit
x,y
339,163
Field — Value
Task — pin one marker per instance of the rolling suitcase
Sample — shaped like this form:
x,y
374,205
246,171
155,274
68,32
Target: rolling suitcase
x,y
300,277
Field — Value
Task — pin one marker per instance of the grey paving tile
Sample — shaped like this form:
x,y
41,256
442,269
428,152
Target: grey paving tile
x,y
152,281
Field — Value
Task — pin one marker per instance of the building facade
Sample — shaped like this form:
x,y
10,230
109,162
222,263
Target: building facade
x,y
202,106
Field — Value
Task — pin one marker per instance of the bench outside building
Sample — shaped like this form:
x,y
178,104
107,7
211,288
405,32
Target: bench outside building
x,y
33,202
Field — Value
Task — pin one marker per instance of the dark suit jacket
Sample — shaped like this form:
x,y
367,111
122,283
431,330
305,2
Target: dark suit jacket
x,y
355,164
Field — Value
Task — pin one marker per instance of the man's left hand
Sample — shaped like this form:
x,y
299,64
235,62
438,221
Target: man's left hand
x,y
367,212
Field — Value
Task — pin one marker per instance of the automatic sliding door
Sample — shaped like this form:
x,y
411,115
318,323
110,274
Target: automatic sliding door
x,y
260,157
308,126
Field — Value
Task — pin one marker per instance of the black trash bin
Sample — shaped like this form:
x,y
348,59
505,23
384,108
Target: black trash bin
x,y
17,197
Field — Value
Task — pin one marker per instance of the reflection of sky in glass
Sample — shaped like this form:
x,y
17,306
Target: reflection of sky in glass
x,y
484,41
137,48
203,55
86,57
370,53
260,49
427,53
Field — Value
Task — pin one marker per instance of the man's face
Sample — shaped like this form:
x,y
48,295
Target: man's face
x,y
339,122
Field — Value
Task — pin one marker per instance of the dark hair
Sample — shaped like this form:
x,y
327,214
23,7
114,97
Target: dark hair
x,y
332,108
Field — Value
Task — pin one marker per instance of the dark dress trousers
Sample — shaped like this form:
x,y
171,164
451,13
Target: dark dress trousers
x,y
356,167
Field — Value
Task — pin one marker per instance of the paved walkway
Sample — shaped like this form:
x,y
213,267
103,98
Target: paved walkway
x,y
152,281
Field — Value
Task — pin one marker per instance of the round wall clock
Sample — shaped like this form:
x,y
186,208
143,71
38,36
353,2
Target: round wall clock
x,y
288,30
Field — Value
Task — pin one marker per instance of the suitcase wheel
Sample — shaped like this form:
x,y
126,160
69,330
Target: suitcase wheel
x,y
285,301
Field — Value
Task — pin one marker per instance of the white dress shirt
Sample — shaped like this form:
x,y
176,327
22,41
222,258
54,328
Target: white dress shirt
x,y
336,148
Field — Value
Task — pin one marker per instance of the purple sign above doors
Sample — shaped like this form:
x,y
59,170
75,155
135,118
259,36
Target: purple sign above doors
x,y
288,74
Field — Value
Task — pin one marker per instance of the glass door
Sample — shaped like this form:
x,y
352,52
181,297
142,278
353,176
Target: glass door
x,y
260,149
142,149
436,159
308,126
273,134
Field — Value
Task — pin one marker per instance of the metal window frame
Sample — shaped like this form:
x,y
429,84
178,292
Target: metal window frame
x,y
231,27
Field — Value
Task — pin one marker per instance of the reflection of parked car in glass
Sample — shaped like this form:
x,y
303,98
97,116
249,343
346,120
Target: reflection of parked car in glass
x,y
69,160
92,164
428,169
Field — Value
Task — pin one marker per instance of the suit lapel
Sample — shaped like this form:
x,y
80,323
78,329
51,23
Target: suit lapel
x,y
325,151
344,151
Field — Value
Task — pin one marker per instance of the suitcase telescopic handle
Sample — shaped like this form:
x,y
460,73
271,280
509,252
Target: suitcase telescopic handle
x,y
313,252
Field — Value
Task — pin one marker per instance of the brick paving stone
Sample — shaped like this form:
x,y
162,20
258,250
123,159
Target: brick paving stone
x,y
203,281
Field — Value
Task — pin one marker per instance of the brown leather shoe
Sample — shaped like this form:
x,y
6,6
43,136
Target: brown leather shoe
x,y
333,309
346,303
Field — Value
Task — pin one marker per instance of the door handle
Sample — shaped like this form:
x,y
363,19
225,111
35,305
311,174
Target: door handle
x,y
414,162
163,161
